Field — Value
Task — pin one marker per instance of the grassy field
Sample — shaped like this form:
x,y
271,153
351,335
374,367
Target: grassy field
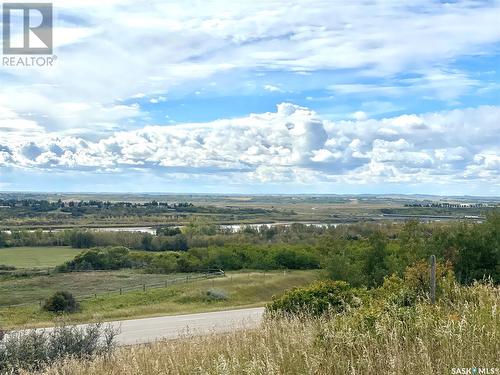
x,y
242,289
36,257
33,289
460,332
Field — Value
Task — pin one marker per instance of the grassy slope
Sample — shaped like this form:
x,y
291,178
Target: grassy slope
x,y
33,289
36,257
463,332
242,289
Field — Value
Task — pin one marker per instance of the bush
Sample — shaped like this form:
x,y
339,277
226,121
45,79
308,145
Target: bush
x,y
33,350
108,258
61,302
415,285
4,267
317,299
216,295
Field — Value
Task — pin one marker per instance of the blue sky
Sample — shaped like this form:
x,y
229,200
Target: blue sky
x,y
255,97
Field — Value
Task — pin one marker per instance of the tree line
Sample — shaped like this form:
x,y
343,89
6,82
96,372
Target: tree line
x,y
195,260
362,254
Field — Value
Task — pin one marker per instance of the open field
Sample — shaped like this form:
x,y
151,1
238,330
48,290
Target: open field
x,y
36,257
241,289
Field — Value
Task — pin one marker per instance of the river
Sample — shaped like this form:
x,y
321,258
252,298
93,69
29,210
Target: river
x,y
152,230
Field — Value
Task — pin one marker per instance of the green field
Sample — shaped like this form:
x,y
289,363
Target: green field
x,y
36,257
241,288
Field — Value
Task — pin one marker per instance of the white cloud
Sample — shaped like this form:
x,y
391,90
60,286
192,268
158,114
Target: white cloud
x,y
112,51
272,88
159,99
115,56
359,115
291,144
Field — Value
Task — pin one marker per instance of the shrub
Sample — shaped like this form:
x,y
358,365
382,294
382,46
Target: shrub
x,y
168,231
295,259
161,263
415,285
61,302
395,292
4,267
216,295
317,299
108,258
417,276
33,350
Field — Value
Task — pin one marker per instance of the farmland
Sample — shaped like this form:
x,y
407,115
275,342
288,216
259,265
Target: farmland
x,y
36,257
38,211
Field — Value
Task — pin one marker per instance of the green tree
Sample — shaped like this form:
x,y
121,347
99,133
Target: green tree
x,y
3,239
147,241
376,267
413,244
479,251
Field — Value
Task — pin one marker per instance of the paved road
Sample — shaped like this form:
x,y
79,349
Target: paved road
x,y
151,329
140,331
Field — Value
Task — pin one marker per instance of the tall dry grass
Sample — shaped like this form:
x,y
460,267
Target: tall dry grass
x,y
461,331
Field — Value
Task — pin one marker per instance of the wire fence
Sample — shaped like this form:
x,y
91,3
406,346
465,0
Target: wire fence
x,y
144,287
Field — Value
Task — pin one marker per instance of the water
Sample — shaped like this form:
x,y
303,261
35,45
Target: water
x,y
151,230
238,227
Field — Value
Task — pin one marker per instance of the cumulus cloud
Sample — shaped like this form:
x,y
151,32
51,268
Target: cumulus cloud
x,y
292,144
128,50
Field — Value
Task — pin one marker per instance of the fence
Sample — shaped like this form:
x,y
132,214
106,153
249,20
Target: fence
x,y
209,274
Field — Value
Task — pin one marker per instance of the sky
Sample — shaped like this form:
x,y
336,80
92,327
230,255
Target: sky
x,y
257,97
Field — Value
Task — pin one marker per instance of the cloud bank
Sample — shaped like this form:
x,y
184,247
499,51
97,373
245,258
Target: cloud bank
x,y
293,144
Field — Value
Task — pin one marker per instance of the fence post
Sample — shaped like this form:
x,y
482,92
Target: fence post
x,y
120,291
143,287
433,279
